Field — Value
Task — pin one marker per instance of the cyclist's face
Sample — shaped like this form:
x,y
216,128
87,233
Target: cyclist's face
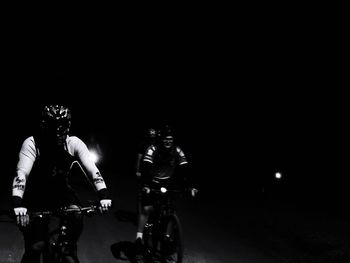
x,y
56,132
168,142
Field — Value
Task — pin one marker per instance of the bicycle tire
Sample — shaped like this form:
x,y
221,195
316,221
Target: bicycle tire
x,y
176,249
69,259
58,255
64,259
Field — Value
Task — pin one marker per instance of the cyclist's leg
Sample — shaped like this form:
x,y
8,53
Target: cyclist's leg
x,y
143,217
146,209
52,250
68,253
74,225
172,245
34,240
74,230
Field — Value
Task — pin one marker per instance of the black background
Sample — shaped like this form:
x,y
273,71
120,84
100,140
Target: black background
x,y
248,93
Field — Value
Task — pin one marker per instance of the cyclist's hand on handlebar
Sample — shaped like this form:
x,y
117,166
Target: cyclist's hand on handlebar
x,y
22,218
146,189
194,192
105,204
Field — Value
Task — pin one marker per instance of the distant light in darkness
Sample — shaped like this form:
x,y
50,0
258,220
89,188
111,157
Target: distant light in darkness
x,y
278,175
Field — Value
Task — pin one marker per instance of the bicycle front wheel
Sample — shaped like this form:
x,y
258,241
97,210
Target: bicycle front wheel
x,y
172,246
69,259
59,255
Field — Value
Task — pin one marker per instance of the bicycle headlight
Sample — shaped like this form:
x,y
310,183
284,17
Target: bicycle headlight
x,y
163,189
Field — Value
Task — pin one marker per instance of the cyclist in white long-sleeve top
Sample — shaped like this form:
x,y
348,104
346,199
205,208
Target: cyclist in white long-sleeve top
x,y
41,183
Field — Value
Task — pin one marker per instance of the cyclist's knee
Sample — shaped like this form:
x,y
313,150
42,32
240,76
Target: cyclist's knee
x,y
75,224
37,247
147,209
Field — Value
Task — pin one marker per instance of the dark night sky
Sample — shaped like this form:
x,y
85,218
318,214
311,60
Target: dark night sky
x,y
246,97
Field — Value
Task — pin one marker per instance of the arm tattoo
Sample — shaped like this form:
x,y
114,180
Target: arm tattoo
x,y
98,179
18,186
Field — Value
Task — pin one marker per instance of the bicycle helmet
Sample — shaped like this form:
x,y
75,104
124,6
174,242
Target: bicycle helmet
x,y
151,133
56,119
166,131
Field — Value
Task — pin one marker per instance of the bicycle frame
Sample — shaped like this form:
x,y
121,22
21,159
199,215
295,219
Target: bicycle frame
x,y
161,221
62,242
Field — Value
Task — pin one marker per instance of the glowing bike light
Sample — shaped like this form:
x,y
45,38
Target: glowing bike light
x,y
163,189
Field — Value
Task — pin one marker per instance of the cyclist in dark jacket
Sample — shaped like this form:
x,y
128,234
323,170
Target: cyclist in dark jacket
x,y
164,164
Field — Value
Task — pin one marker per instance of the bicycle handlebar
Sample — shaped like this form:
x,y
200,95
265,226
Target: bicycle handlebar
x,y
164,190
88,210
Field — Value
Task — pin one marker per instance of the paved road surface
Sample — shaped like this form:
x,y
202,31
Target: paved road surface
x,y
213,232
